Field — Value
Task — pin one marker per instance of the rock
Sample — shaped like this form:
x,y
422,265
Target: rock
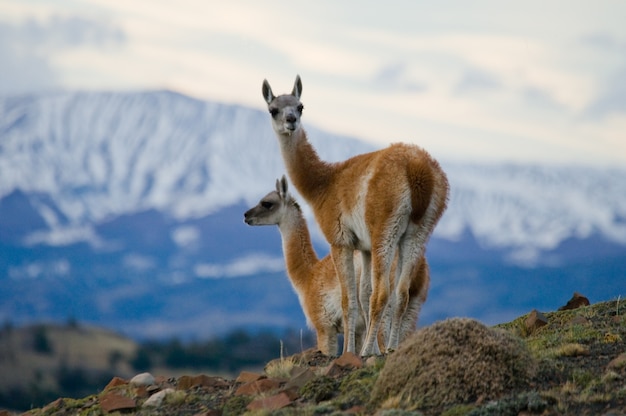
x,y
157,398
143,379
535,321
349,360
618,362
214,381
257,387
111,402
55,405
371,361
275,402
141,392
115,381
300,378
187,382
575,302
248,376
152,389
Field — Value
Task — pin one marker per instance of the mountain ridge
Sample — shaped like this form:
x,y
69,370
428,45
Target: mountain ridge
x,y
121,206
97,155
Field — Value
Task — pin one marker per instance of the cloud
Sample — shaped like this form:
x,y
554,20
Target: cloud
x,y
69,31
475,79
603,41
540,98
611,99
395,77
28,49
24,68
245,266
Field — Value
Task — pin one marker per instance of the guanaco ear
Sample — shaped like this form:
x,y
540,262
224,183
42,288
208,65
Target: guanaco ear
x,y
297,88
268,95
284,187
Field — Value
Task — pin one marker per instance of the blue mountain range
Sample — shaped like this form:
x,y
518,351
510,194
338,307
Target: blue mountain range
x,y
125,210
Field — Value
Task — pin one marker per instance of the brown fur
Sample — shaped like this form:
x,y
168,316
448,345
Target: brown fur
x,y
384,203
315,280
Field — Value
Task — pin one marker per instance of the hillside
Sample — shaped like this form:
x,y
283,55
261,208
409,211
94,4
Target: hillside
x,y
39,361
575,361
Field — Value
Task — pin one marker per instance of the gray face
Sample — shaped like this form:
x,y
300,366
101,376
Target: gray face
x,y
286,111
267,212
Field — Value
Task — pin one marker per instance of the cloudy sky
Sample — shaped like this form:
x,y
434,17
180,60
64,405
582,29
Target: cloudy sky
x,y
541,81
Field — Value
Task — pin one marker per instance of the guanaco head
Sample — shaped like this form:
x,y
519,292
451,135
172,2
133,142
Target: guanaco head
x,y
272,207
285,109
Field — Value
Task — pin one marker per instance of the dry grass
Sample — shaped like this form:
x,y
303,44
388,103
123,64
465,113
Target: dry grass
x,y
73,346
455,361
571,350
453,368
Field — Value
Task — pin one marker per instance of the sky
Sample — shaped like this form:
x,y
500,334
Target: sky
x,y
531,81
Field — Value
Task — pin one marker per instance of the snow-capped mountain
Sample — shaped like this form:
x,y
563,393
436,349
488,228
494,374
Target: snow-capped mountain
x,y
119,192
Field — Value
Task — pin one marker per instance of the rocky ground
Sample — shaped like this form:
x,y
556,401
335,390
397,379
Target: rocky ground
x,y
568,362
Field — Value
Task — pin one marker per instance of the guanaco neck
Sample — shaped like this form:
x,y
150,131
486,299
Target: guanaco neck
x,y
309,174
300,256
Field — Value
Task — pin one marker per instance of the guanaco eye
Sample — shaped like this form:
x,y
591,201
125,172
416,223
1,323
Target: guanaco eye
x,y
274,112
300,108
267,205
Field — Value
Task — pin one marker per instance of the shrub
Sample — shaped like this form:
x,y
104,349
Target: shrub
x,y
454,361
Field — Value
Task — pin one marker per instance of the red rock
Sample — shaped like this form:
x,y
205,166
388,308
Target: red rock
x,y
57,404
257,387
111,402
575,302
187,382
142,391
349,360
278,401
300,378
248,376
293,392
184,382
116,381
535,321
207,381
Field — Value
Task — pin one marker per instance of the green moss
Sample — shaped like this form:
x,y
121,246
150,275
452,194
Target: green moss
x,y
512,405
319,389
459,410
582,378
356,388
398,412
236,405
